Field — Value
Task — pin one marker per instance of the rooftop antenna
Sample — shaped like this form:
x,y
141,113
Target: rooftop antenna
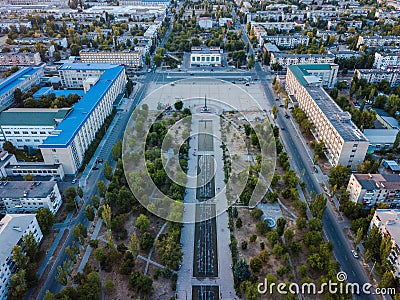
x,y
205,108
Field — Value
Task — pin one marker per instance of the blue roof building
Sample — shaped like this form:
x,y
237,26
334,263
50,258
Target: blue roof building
x,y
22,79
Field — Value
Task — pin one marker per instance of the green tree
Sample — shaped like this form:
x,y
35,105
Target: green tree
x,y
142,223
70,193
239,223
147,241
31,246
318,206
20,259
178,105
275,111
338,175
117,151
89,212
133,245
241,270
280,226
256,265
79,233
272,237
107,171
45,219
106,215
109,287
18,96
18,287
101,188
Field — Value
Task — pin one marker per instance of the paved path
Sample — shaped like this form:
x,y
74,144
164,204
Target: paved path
x,y
154,263
89,248
152,248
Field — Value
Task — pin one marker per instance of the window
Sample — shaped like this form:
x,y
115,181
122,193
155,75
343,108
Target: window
x,y
217,58
36,140
25,132
193,58
34,132
19,140
27,140
53,150
8,132
42,132
16,132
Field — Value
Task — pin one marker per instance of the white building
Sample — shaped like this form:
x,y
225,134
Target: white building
x,y
205,58
345,143
23,80
29,196
332,25
127,57
20,59
205,22
378,41
372,189
377,75
72,137
29,127
384,60
280,26
286,60
7,24
12,230
285,41
388,223
73,75
380,138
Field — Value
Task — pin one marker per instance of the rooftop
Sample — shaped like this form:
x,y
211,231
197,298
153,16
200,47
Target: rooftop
x,y
32,116
14,79
30,189
381,136
378,181
69,127
390,219
12,228
83,66
340,120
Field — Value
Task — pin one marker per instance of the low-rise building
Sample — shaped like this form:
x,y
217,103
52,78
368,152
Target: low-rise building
x,y
205,22
12,230
20,59
8,24
377,75
225,22
384,60
332,25
72,137
23,79
380,138
29,196
29,127
280,26
205,57
345,143
129,58
286,60
388,223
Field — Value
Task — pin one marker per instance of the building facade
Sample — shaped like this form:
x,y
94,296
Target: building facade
x,y
384,60
29,127
286,60
20,59
23,79
378,41
345,143
12,230
129,58
72,137
377,75
205,58
285,41
388,223
18,197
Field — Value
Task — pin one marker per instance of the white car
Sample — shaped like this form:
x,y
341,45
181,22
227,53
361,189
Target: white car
x,y
354,252
73,181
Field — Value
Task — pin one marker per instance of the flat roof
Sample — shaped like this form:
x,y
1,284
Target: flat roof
x,y
84,66
28,189
32,116
340,120
70,126
12,228
14,79
390,219
381,136
45,91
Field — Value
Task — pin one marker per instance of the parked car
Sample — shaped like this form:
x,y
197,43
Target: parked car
x,y
354,252
73,181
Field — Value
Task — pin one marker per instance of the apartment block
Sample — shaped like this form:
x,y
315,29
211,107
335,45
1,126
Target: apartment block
x,y
388,223
12,230
378,41
285,41
129,58
72,137
8,24
372,189
29,196
286,60
377,75
205,57
23,79
384,60
345,143
20,59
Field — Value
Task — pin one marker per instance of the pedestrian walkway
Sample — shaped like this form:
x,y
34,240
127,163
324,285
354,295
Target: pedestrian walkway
x,y
89,249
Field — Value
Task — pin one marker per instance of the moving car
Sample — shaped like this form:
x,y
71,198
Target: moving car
x,y
73,181
354,252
